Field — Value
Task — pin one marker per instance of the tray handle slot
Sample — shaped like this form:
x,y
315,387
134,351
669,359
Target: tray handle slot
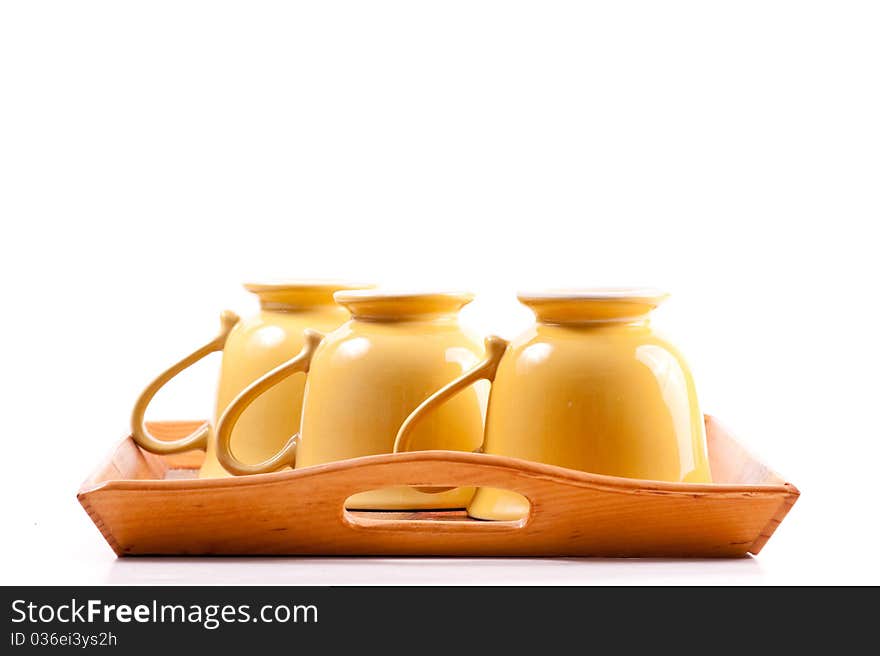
x,y
385,521
421,469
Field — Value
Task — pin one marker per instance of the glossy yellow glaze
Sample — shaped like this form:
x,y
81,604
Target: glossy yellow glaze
x,y
368,375
259,343
592,387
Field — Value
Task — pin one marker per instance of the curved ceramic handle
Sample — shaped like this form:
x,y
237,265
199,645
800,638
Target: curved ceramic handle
x,y
287,456
199,438
495,348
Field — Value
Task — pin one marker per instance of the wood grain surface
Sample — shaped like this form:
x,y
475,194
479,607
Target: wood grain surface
x,y
148,504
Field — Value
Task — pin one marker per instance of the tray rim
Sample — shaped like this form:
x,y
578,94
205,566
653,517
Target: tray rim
x,y
559,474
772,485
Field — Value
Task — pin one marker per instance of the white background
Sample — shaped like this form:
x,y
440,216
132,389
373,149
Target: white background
x,y
154,155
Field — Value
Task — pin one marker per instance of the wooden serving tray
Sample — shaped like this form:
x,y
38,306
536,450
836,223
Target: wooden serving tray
x,y
148,504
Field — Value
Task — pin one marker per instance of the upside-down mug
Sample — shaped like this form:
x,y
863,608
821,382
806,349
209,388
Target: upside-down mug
x,y
591,387
251,347
364,379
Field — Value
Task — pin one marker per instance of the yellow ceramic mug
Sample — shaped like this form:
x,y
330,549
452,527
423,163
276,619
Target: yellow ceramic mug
x,y
592,387
251,348
364,379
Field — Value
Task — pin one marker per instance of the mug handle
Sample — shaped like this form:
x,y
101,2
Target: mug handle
x,y
199,438
287,455
495,349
